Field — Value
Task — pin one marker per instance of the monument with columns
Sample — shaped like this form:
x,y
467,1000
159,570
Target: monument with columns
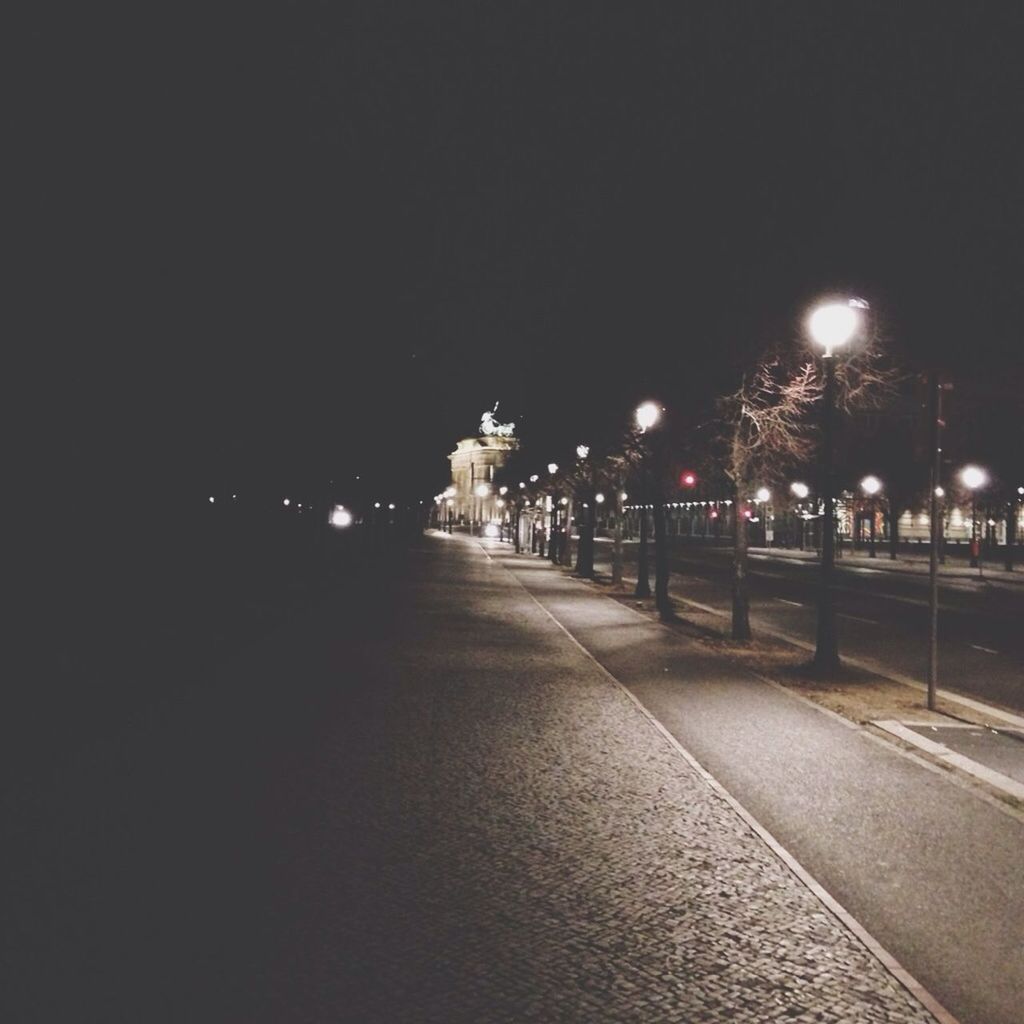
x,y
475,462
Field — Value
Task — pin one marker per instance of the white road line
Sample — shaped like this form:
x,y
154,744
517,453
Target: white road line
x,y
987,650
858,618
795,604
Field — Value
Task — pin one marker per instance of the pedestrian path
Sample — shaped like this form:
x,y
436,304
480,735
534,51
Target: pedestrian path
x,y
929,868
515,840
954,568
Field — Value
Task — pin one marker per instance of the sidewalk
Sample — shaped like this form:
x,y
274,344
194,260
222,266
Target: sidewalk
x,y
953,568
929,868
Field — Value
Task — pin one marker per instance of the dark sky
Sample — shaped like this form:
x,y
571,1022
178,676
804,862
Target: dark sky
x,y
273,243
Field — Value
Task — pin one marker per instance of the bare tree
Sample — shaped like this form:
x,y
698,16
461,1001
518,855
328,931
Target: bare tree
x,y
765,427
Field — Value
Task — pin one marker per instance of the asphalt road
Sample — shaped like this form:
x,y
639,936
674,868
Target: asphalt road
x,y
883,615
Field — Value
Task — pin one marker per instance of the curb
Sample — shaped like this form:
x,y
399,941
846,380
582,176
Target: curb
x,y
997,780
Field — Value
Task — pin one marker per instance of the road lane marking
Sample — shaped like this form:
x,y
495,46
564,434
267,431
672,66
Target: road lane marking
x,y
795,604
987,650
858,618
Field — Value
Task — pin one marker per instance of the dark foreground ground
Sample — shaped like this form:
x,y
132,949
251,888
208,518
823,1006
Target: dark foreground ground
x,y
413,798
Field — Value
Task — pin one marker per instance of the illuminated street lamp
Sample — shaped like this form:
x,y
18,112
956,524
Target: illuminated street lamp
x,y
871,486
647,415
599,498
341,517
831,326
800,491
974,478
762,497
554,540
582,451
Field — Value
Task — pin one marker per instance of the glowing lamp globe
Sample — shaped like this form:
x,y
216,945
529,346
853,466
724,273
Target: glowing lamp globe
x,y
871,485
763,494
482,490
582,451
832,326
800,490
647,415
973,477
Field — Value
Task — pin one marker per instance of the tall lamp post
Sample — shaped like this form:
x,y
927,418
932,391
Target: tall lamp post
x,y
646,416
831,326
974,478
482,491
588,515
871,486
553,547
763,497
449,495
800,492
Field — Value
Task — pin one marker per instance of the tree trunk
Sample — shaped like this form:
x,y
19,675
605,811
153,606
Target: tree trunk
x,y
643,579
585,549
661,563
740,584
566,551
1011,533
894,528
617,538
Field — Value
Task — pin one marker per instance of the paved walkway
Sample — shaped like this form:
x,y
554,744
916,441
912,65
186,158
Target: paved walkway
x,y
513,840
424,803
931,869
955,566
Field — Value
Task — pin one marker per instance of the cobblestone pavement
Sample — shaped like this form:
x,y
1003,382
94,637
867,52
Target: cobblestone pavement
x,y
495,833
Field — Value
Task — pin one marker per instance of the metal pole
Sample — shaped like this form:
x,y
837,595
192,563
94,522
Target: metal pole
x,y
975,546
826,654
643,581
933,555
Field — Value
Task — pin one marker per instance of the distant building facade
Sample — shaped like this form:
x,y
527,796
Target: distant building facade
x,y
475,463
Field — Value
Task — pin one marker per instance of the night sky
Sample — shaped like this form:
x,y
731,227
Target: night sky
x,y
268,245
